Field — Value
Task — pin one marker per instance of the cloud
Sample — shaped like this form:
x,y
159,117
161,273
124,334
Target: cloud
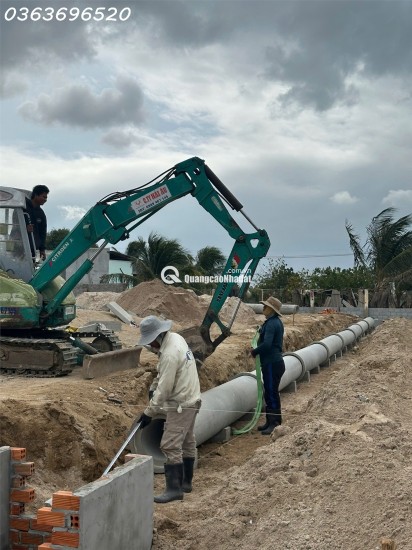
x,y
79,106
343,197
12,85
38,45
398,198
72,213
317,52
119,138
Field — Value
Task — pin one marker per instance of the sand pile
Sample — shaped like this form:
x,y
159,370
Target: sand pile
x,y
96,301
156,298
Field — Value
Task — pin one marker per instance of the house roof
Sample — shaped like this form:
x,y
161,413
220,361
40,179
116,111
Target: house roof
x,y
115,255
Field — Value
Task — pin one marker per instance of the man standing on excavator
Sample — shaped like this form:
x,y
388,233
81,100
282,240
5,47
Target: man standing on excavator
x,y
174,392
37,222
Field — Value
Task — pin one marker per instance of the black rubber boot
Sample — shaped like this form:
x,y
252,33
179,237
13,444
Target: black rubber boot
x,y
174,480
266,424
188,465
274,418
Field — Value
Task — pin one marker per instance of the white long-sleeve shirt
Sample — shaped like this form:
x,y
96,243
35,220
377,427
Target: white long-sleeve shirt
x,y
177,381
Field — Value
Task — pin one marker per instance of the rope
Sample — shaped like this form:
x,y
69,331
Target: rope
x,y
252,423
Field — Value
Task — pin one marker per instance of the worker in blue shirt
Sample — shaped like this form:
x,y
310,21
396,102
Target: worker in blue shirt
x,y
269,349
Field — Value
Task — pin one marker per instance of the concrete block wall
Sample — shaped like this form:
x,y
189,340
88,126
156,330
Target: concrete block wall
x,y
116,511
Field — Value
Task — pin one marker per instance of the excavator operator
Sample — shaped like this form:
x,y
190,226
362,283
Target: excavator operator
x,y
37,219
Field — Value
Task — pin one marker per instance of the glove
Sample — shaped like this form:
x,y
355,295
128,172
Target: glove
x,y
144,420
151,393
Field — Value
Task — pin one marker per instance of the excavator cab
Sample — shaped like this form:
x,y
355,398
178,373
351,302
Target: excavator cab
x,y
16,256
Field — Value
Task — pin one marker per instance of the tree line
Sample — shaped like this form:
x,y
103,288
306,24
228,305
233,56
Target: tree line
x,y
383,264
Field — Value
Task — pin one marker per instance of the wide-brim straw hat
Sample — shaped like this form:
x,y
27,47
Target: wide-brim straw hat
x,y
151,327
274,304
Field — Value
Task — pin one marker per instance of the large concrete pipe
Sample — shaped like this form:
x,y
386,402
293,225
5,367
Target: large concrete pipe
x,y
286,309
223,405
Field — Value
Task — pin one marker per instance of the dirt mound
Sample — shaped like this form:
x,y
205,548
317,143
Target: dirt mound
x,y
156,298
96,300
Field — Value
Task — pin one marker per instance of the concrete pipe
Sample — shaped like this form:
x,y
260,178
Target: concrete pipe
x,y
364,326
223,405
312,356
333,344
348,337
357,329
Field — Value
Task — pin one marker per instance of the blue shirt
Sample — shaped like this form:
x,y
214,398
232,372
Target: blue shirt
x,y
270,342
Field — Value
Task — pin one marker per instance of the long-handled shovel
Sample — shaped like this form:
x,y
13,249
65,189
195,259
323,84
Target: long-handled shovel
x,y
122,448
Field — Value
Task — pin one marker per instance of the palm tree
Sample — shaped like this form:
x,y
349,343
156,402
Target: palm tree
x,y
210,260
387,253
158,252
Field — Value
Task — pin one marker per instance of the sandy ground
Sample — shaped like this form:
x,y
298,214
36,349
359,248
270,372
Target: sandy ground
x,y
336,475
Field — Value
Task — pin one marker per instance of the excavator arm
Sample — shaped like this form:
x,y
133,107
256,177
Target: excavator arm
x,y
115,216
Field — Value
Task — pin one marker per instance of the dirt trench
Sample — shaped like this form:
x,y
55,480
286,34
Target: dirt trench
x,y
336,475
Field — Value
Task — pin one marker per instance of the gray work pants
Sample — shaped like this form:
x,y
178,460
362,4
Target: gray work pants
x,y
178,440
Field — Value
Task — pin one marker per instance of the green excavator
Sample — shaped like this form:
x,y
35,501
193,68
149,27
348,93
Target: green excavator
x,y
37,303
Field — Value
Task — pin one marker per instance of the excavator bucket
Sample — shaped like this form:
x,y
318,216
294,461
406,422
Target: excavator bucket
x,y
200,349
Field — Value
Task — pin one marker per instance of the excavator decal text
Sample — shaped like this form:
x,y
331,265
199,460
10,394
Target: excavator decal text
x,y
151,199
60,252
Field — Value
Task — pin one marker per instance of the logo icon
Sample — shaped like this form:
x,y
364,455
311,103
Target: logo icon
x,y
170,278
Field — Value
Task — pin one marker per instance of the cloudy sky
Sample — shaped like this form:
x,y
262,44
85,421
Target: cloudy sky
x,y
302,108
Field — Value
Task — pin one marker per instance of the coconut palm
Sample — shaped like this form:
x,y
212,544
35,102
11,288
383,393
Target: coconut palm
x,y
210,260
149,258
387,253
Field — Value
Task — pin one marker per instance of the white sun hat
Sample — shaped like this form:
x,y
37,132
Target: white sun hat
x,y
151,327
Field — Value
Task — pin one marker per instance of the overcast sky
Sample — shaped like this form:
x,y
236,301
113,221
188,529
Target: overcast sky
x,y
302,108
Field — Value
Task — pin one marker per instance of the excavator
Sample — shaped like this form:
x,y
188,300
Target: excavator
x,y
37,303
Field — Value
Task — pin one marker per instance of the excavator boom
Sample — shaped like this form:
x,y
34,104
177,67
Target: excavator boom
x,y
113,218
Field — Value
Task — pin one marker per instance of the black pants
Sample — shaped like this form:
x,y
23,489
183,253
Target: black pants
x,y
272,375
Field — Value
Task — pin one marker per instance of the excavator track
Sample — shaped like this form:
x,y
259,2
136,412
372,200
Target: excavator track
x,y
49,353
39,357
104,340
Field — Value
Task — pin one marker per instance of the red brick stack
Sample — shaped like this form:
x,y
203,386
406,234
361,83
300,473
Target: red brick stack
x,y
52,528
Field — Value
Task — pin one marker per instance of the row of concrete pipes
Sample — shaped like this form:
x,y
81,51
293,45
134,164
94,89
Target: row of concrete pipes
x,y
227,403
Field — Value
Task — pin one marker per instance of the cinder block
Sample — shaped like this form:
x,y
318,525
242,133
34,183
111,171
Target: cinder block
x,y
16,509
45,515
18,453
18,481
14,536
291,388
24,468
65,500
22,495
32,538
36,526
223,436
20,524
66,539
131,456
75,521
